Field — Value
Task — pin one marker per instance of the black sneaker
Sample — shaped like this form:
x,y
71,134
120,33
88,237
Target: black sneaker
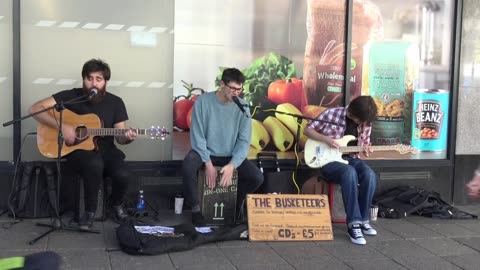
x,y
86,221
198,220
356,235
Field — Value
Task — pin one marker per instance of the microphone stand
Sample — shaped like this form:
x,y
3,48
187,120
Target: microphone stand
x,y
57,223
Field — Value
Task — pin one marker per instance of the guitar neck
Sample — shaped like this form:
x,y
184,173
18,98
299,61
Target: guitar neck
x,y
353,149
113,131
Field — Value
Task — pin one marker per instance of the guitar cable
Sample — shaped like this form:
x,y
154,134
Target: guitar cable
x,y
14,192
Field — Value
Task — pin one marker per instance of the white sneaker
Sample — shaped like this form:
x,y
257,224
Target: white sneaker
x,y
356,235
368,230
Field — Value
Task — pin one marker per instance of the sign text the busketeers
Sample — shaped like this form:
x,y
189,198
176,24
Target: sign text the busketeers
x,y
289,202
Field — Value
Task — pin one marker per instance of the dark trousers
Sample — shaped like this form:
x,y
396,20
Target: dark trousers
x,y
93,166
249,177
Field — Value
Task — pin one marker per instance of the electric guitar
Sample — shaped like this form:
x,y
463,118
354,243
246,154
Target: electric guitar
x,y
318,154
87,127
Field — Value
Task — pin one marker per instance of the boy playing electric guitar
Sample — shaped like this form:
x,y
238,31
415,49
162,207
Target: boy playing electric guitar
x,y
357,179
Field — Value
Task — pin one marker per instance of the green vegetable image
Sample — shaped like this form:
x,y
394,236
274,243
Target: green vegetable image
x,y
261,73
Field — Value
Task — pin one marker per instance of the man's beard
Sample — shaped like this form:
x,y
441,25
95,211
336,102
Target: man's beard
x,y
96,98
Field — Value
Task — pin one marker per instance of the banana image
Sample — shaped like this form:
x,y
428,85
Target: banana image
x,y
260,136
281,136
290,121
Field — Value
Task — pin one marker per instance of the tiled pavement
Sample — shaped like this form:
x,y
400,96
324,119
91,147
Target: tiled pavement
x,y
412,243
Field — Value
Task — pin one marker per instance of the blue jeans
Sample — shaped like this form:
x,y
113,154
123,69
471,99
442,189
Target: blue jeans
x,y
358,182
249,177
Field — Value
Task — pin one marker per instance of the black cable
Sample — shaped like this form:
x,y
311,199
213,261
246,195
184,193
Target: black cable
x,y
14,184
151,207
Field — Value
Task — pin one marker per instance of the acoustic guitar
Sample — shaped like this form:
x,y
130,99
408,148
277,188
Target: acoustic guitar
x,y
87,127
318,154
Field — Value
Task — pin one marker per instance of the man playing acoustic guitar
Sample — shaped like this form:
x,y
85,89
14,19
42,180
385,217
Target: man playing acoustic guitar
x,y
106,159
357,179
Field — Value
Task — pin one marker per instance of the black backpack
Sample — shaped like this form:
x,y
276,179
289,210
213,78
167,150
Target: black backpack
x,y
34,195
403,201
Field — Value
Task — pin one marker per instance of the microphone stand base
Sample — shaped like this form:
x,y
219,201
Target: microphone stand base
x,y
57,225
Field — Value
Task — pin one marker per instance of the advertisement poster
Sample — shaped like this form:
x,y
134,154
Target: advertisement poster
x,y
293,60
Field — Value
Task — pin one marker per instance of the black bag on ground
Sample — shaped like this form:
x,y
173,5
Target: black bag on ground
x,y
34,195
184,237
400,202
275,180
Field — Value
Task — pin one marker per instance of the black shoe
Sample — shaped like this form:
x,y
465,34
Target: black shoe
x,y
86,221
356,235
198,220
120,213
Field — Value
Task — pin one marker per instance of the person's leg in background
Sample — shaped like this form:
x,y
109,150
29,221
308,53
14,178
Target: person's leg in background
x,y
89,165
190,165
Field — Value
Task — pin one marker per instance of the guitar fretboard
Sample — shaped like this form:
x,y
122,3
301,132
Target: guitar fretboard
x,y
350,149
113,131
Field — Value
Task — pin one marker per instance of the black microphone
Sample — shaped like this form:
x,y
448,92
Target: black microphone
x,y
240,105
92,93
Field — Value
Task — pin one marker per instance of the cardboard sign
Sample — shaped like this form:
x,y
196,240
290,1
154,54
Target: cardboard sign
x,y
277,217
218,204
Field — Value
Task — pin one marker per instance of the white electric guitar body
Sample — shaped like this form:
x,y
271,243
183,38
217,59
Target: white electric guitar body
x,y
318,154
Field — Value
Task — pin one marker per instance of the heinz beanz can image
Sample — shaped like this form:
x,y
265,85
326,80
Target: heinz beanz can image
x,y
430,119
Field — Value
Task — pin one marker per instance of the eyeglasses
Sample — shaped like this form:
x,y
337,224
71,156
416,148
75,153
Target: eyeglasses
x,y
234,89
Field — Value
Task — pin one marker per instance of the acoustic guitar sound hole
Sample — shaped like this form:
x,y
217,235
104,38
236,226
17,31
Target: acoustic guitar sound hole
x,y
81,133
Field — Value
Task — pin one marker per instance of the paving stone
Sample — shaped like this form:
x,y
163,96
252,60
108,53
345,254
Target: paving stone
x,y
71,239
351,251
242,243
473,242
293,253
471,226
401,248
291,243
444,247
409,230
375,264
265,267
452,230
198,257
18,235
252,256
321,263
92,259
109,234
122,261
467,261
427,263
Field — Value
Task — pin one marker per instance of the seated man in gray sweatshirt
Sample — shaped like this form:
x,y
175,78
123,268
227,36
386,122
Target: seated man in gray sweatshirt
x,y
220,136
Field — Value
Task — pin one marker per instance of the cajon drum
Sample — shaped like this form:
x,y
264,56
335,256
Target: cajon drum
x,y
218,205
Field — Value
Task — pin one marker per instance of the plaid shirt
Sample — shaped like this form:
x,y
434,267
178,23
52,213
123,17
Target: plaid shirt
x,y
333,124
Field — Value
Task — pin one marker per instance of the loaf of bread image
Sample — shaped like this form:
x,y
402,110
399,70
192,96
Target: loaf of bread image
x,y
323,69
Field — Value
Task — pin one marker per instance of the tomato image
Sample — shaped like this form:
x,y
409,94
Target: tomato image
x,y
183,105
288,91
